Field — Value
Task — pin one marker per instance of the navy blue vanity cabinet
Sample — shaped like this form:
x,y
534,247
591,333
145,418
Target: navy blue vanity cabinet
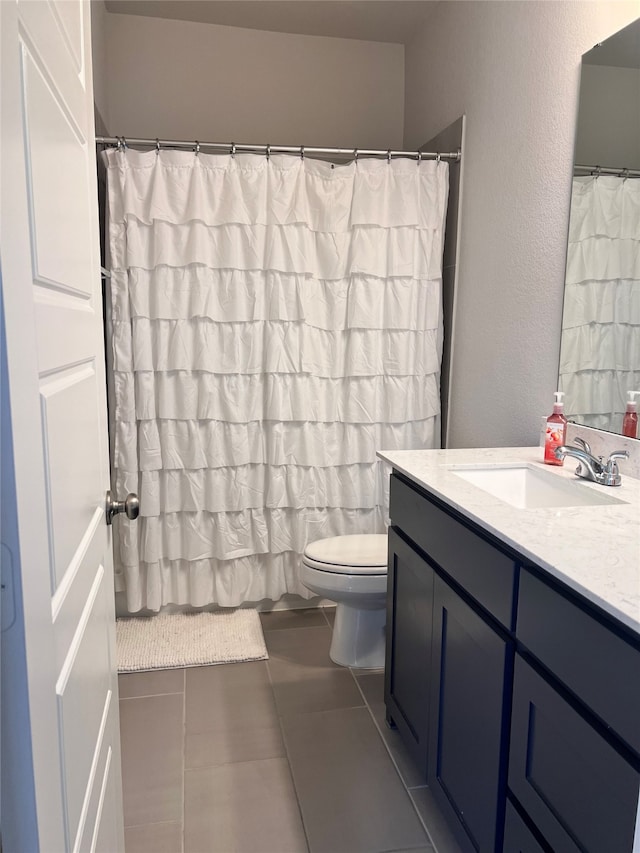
x,y
455,548
450,609
519,698
468,720
594,657
579,791
518,838
574,765
408,652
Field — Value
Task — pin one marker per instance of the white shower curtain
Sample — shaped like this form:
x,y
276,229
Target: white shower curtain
x,y
600,351
274,322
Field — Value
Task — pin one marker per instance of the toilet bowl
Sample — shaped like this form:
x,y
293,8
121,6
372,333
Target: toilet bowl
x,y
352,571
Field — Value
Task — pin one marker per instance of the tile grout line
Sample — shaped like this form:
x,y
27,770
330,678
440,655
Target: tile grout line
x,y
267,630
395,764
149,695
286,754
151,823
184,748
288,628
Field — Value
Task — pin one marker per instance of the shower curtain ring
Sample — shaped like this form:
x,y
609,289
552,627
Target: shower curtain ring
x,y
268,152
233,149
419,157
438,157
157,145
118,143
302,152
197,147
625,174
355,154
389,156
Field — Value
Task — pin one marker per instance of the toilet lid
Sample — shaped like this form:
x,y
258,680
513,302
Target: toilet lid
x,y
364,553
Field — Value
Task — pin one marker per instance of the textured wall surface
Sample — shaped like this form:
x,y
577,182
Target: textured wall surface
x,y
513,69
183,80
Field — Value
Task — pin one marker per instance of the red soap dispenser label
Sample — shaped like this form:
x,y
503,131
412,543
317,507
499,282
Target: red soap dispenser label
x,y
554,438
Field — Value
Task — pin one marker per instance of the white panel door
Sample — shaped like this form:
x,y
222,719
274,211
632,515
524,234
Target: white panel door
x,y
61,786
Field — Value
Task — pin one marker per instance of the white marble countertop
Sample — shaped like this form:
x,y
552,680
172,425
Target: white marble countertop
x,y
595,550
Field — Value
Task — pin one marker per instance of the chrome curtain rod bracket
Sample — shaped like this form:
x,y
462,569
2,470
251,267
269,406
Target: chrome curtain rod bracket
x,y
302,151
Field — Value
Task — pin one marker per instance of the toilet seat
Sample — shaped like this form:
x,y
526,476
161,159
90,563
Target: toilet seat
x,y
359,554
340,569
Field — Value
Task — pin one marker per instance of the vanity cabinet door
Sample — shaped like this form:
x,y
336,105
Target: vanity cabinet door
x,y
579,791
408,655
467,761
518,838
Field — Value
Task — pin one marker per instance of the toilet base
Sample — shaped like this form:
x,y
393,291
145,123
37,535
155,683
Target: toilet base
x,y
358,637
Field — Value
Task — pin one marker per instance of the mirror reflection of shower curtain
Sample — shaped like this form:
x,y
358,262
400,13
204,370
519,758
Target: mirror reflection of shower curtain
x,y
275,322
600,349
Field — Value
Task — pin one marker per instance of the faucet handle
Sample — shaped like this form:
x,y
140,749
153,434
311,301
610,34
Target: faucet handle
x,y
583,444
617,454
613,477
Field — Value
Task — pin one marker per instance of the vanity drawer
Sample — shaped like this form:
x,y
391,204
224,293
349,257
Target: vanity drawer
x,y
484,572
599,665
579,792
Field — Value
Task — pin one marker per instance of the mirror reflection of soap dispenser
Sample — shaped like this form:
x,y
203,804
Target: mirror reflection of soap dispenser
x,y
556,431
630,420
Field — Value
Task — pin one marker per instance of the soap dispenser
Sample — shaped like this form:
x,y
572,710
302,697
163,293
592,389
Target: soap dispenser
x,y
556,431
630,420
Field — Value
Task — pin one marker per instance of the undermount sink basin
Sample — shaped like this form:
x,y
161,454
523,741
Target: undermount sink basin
x,y
527,487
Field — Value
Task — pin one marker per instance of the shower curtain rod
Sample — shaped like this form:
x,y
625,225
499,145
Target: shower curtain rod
x,y
302,150
608,170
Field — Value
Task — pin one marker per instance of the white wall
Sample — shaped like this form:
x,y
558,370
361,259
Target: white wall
x,y
183,80
609,117
513,69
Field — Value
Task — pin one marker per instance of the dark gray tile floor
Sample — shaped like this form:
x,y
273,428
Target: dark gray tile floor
x,y
289,755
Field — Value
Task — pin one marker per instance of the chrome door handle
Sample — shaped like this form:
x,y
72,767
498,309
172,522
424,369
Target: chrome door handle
x,y
130,506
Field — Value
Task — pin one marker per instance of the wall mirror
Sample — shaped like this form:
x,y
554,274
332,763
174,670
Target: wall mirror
x,y
600,344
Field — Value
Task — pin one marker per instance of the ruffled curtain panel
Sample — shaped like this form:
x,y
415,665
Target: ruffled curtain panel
x,y
600,352
274,322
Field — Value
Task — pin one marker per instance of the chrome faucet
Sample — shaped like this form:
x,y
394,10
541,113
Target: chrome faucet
x,y
590,468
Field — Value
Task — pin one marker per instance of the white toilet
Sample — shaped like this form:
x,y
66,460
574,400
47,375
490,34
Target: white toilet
x,y
352,571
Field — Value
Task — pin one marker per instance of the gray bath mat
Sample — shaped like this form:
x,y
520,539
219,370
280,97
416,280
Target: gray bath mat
x,y
167,641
